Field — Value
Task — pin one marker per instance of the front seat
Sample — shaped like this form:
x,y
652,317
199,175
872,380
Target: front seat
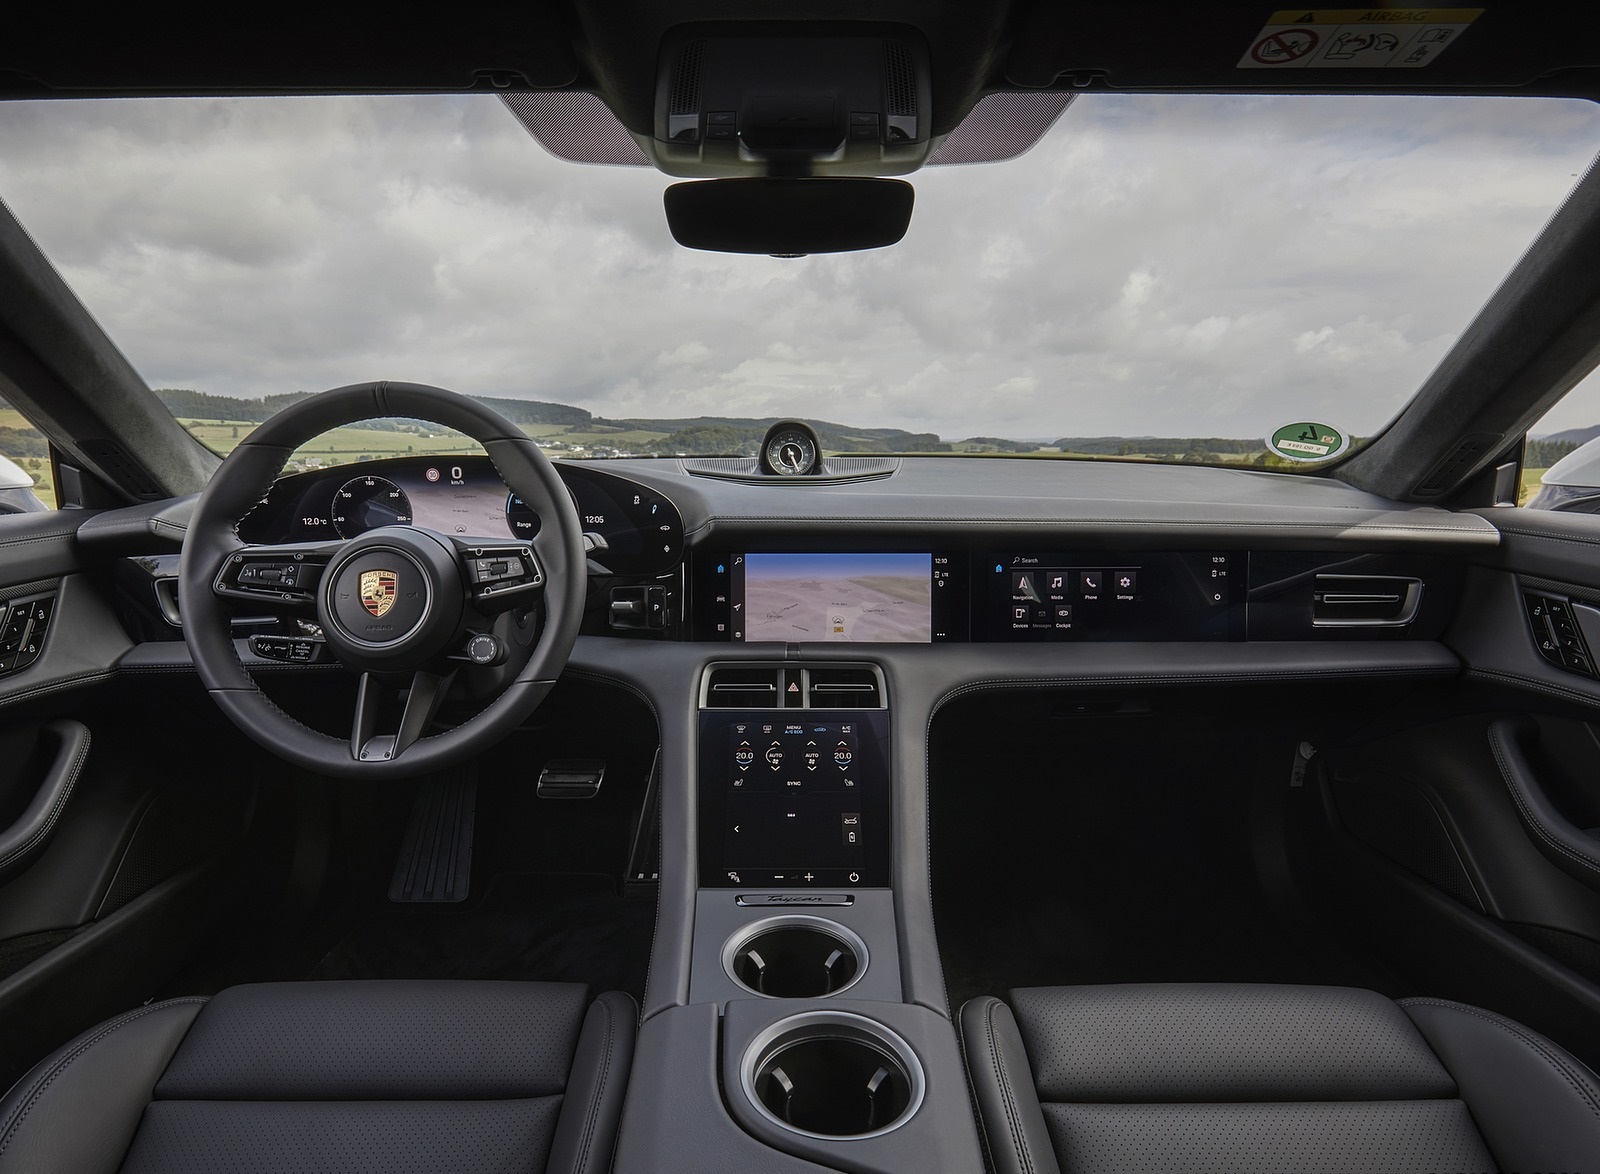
x,y
1243,1079
381,1077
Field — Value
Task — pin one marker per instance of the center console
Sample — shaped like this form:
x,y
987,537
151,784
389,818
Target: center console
x,y
820,1060
793,812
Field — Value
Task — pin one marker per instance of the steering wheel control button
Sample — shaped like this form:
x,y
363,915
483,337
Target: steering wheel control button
x,y
293,649
278,575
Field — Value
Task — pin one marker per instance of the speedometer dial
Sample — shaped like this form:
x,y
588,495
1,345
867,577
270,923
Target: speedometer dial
x,y
365,503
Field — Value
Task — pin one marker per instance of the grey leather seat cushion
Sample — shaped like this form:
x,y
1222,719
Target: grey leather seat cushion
x,y
1244,1078
336,1076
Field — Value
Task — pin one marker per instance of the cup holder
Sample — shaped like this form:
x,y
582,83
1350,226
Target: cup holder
x,y
795,957
833,1074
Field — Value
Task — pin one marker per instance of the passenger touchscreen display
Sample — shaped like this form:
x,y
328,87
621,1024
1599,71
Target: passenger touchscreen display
x,y
848,598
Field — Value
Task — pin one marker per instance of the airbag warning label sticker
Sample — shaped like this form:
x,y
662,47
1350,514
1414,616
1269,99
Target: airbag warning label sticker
x,y
1356,38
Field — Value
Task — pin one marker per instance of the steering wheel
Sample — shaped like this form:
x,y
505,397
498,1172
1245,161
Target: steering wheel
x,y
405,607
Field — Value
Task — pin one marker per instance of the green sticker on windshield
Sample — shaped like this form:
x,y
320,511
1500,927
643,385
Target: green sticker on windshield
x,y
1307,442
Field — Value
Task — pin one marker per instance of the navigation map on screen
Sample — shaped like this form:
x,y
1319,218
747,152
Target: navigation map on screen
x,y
855,598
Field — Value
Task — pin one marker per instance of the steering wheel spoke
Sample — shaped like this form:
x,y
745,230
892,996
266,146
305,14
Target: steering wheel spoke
x,y
423,697
281,579
501,575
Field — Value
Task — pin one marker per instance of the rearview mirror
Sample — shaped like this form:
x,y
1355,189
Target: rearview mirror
x,y
788,217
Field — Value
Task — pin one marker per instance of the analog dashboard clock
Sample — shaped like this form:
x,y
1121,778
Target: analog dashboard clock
x,y
791,449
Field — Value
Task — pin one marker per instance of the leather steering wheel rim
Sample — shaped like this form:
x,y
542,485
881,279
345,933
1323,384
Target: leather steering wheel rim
x,y
246,475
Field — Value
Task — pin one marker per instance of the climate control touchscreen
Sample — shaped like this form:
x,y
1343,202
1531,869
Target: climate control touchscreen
x,y
794,799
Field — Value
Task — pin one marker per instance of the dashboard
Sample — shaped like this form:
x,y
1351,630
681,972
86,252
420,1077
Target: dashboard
x,y
856,560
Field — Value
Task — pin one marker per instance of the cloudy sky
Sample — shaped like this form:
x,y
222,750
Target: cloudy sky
x,y
1183,265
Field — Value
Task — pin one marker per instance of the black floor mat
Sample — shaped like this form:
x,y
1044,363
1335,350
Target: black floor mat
x,y
1116,852
553,928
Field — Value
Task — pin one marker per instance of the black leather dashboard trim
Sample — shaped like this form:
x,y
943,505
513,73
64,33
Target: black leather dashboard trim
x,y
1071,499
139,529
39,546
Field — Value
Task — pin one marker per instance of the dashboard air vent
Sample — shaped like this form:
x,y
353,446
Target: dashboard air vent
x,y
1365,601
845,687
739,687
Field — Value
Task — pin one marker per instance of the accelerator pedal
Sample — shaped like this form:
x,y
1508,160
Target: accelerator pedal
x,y
435,863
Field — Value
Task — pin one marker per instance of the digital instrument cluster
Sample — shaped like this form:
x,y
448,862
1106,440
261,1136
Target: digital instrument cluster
x,y
632,529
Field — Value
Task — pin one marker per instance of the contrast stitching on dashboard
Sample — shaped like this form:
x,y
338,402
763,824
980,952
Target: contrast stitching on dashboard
x,y
1508,776
1364,529
1501,676
64,683
42,833
57,537
30,1098
1573,1078
1585,542
263,667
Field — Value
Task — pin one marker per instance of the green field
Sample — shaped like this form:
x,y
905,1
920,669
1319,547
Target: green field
x,y
345,446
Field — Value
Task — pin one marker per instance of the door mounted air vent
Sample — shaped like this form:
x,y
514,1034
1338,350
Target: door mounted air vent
x,y
1365,601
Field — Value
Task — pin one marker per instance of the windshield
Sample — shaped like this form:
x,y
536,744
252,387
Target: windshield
x,y
1162,277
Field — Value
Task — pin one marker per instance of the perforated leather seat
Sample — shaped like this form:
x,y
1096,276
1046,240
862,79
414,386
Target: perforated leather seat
x,y
1177,1078
390,1077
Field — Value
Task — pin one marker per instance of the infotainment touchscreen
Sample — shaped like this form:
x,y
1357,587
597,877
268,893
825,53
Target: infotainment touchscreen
x,y
1031,596
852,598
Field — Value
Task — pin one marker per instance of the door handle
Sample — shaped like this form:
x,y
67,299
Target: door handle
x,y
27,837
1573,849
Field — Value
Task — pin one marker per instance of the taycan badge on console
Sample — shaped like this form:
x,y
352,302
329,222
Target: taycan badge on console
x,y
377,591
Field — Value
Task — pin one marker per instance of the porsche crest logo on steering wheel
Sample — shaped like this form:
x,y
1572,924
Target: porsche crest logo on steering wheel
x,y
377,591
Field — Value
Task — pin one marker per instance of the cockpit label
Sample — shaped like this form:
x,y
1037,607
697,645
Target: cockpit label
x,y
1356,38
